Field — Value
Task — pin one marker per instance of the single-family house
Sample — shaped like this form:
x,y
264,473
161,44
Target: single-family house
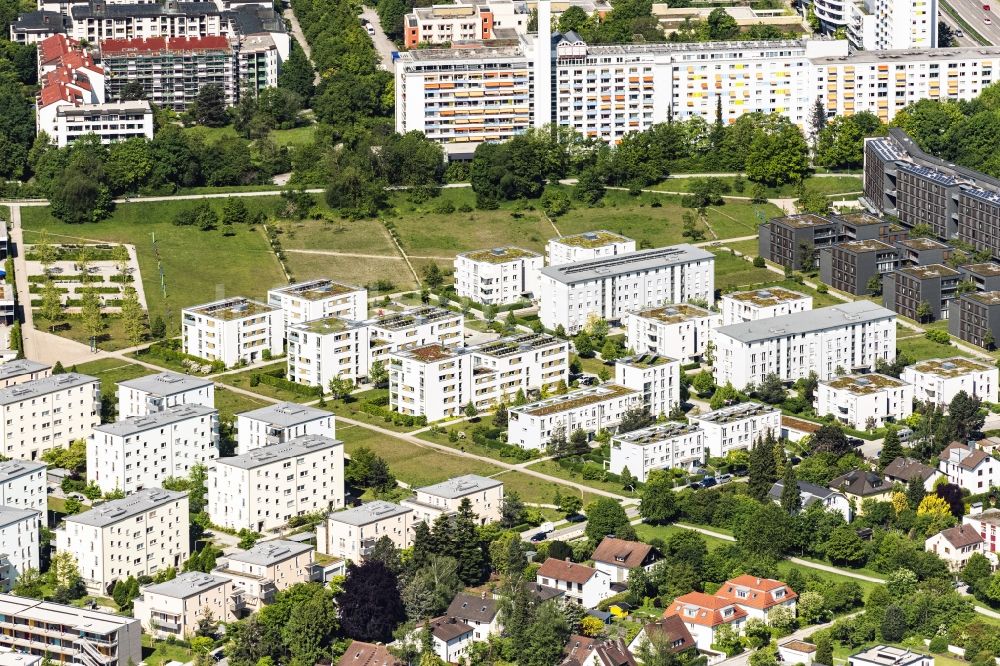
x,y
758,596
859,485
903,469
618,557
582,584
703,614
359,653
969,467
479,612
670,629
451,638
956,545
810,493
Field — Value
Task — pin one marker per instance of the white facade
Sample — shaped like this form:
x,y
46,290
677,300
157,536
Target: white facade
x,y
657,378
263,489
143,451
147,395
451,639
581,584
586,246
663,446
97,21
20,370
591,409
279,424
141,535
23,485
175,607
267,568
351,534
741,306
969,467
737,427
499,276
679,331
956,545
485,495
19,539
885,24
610,287
317,299
857,400
827,341
48,413
111,121
938,381
233,330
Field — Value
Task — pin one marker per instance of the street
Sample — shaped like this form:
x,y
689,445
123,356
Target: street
x,y
383,44
972,12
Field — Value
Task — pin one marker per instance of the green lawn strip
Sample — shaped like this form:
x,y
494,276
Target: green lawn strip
x,y
466,443
785,566
112,338
920,348
594,365
649,532
111,371
552,468
824,185
242,380
737,219
353,270
750,248
732,271
352,410
157,653
533,490
230,403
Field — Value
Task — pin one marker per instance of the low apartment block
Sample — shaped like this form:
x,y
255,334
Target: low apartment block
x,y
737,427
921,293
144,451
141,535
969,467
147,395
741,306
233,330
22,370
858,401
280,423
591,410
793,240
586,246
499,276
48,413
485,495
318,299
973,317
19,543
351,534
847,337
938,381
984,277
851,266
922,252
611,287
663,446
679,331
263,489
68,634
23,485
269,567
174,608
657,378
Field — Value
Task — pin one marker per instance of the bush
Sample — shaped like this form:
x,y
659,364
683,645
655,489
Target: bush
x,y
939,644
940,337
759,262
405,420
283,384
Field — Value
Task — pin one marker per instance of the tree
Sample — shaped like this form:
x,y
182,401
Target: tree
x,y
64,574
976,570
607,517
45,252
777,153
763,534
500,416
210,106
727,640
470,410
934,507
466,545
584,344
73,457
297,73
431,588
370,605
570,504
874,285
511,509
132,315
158,328
964,416
763,470
924,312
840,145
51,308
892,448
433,277
721,26
341,387
845,547
78,197
831,439
377,374
29,583
915,492
824,648
658,503
546,636
703,384
772,390
893,624
791,500
634,419
129,164
811,606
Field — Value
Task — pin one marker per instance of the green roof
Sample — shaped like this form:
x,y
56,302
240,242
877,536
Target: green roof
x,y
592,239
864,384
675,314
950,367
500,255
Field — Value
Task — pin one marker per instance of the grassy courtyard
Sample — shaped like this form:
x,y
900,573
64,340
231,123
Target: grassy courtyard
x,y
111,371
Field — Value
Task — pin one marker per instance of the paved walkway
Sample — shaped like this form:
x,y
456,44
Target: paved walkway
x,y
289,15
382,43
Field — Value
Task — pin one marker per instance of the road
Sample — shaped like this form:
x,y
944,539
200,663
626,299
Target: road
x,y
972,13
293,20
383,44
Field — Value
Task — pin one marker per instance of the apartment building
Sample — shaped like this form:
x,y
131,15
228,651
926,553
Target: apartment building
x,y
68,634
98,20
143,451
499,276
263,489
741,306
922,252
319,299
174,608
139,535
736,427
678,330
984,277
969,467
973,316
591,410
880,24
19,543
111,121
280,423
586,246
232,330
260,573
351,534
938,381
662,446
22,370
792,240
322,349
149,394
485,495
859,401
827,341
48,413
610,287
656,378
36,27
23,485
987,523
922,293
851,266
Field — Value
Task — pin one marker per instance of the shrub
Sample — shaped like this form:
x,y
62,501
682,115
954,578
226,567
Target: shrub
x,y
759,262
940,337
939,644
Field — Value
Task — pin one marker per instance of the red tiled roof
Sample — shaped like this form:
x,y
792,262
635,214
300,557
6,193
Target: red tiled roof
x,y
708,609
52,48
563,570
58,92
151,45
973,458
79,60
760,592
367,654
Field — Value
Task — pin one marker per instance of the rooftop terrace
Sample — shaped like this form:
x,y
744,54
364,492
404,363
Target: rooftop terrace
x,y
592,239
928,272
803,221
397,321
950,367
233,308
516,344
744,410
317,290
499,255
985,269
646,360
766,297
984,297
574,400
864,384
674,314
656,433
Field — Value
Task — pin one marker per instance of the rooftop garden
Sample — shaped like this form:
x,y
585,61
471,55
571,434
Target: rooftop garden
x,y
236,309
326,325
329,289
430,353
675,314
766,297
950,367
577,399
646,360
500,255
592,239
934,270
864,384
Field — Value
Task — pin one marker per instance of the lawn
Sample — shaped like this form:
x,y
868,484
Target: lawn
x,y
738,219
352,410
198,266
553,468
297,135
825,185
920,348
533,490
229,403
111,371
157,653
466,444
111,339
748,247
242,380
353,236
737,272
354,270
649,532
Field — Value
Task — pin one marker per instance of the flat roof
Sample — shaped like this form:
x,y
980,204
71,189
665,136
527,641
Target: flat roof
x,y
629,262
515,344
412,317
135,504
317,290
228,309
267,553
888,656
834,316
499,255
858,246
432,353
166,383
656,433
864,384
38,387
929,271
743,410
803,221
81,619
327,325
187,585
951,367
272,453
861,219
285,414
987,269
646,360
573,400
13,658
984,297
674,313
369,512
922,244
592,239
10,515
21,366
15,469
460,486
154,420
766,297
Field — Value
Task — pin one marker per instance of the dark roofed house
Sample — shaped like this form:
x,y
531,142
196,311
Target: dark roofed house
x,y
902,470
478,611
582,584
34,27
584,651
969,467
859,485
671,629
810,493
956,545
451,638
617,557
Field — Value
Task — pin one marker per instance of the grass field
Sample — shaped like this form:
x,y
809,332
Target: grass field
x,y
298,135
649,532
242,380
157,653
112,338
748,247
111,371
229,403
533,490
825,185
735,220
360,236
352,410
553,468
737,272
354,270
920,348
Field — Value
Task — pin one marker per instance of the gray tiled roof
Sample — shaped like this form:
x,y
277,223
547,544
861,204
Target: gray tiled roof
x,y
14,469
168,416
187,585
630,262
270,552
44,386
21,366
165,383
118,510
272,453
797,323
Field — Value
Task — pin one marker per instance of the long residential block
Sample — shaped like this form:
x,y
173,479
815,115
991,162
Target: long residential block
x,y
859,401
737,427
48,413
662,446
591,410
937,381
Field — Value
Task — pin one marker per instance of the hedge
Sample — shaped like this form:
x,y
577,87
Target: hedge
x,y
405,420
283,384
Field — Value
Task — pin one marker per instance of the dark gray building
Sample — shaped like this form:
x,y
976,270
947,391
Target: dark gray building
x,y
975,318
786,240
862,226
922,252
986,277
904,290
848,266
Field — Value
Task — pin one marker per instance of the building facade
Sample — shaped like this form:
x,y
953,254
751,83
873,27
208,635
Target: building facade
x,y
592,409
269,567
23,485
973,317
48,413
19,541
938,381
351,534
861,400
666,446
679,331
318,299
499,276
656,378
921,293
147,395
175,607
737,427
485,495
280,423
232,330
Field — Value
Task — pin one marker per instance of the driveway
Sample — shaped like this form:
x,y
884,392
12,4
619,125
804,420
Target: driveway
x,y
383,44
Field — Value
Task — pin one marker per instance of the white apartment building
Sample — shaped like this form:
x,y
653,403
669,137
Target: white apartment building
x,y
322,349
258,574
111,121
154,393
829,341
99,20
741,306
233,330
881,24
610,287
857,400
678,330
586,246
280,423
662,446
48,413
174,608
937,380
317,299
140,535
22,370
351,534
657,378
485,495
19,543
263,489
499,276
23,485
591,410
142,451
737,427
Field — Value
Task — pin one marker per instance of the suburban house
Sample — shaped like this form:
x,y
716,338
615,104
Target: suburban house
x,y
796,652
584,585
703,614
883,655
618,557
859,485
451,638
584,651
479,612
810,493
902,470
175,607
672,629
969,467
956,545
987,523
368,654
758,596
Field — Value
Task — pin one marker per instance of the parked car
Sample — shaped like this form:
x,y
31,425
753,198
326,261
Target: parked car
x,y
540,536
904,434
959,32
708,482
576,518
725,478
986,8
694,486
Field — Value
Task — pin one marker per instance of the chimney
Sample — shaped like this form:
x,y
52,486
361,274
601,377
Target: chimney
x,y
483,594
976,507
568,559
